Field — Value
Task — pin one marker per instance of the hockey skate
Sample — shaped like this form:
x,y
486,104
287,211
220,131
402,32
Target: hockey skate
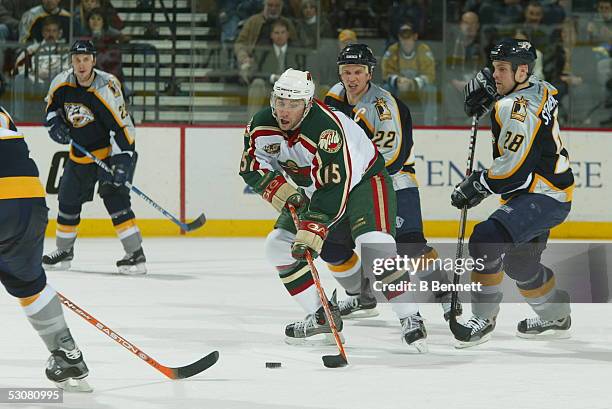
x,y
481,331
58,259
66,367
357,306
133,264
537,328
314,329
445,302
414,333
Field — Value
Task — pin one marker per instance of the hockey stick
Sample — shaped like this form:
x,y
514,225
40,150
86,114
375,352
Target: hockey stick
x,y
461,332
330,361
196,224
181,372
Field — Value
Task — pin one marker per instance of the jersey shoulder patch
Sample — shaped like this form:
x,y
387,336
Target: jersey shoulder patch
x,y
330,141
519,108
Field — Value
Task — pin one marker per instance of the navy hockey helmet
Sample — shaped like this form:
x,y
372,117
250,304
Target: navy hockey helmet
x,y
83,47
359,54
516,52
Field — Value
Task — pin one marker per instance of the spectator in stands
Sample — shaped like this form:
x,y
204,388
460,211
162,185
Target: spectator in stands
x,y
107,41
312,26
10,14
504,13
406,10
465,58
30,25
534,28
81,11
346,37
554,13
41,62
231,13
256,32
599,31
557,68
409,71
270,63
35,67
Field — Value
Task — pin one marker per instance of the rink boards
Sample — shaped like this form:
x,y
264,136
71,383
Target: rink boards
x,y
193,169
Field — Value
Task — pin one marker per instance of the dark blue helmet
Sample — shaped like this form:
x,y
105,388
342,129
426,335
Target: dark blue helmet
x,y
359,54
514,51
83,47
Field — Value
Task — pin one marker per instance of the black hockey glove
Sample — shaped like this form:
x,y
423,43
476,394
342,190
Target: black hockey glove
x,y
480,93
469,192
58,129
122,166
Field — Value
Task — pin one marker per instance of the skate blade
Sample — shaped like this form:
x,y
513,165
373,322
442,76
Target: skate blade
x,y
361,314
314,340
469,344
546,335
138,269
62,265
75,385
417,347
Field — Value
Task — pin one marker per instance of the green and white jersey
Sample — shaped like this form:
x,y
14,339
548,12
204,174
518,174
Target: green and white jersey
x,y
388,123
328,155
528,153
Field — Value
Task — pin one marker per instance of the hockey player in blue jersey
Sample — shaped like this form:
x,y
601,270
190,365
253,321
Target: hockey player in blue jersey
x,y
531,171
388,123
23,220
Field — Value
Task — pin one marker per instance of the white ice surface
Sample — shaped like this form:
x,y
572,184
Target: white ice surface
x,y
219,294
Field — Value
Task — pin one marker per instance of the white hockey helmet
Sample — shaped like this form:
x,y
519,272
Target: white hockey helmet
x,y
294,84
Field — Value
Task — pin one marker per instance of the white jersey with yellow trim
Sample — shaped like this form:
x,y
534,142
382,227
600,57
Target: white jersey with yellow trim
x,y
387,122
528,152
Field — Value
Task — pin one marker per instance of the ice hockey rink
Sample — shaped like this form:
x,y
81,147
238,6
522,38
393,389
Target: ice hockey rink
x,y
202,295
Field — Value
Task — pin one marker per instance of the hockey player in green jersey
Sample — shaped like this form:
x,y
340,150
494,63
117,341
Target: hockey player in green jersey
x,y
340,176
531,171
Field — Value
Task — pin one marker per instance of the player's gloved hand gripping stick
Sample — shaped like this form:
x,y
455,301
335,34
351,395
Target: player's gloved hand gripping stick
x,y
461,332
330,361
195,224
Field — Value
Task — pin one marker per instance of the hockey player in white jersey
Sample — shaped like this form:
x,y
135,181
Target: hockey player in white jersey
x,y
531,171
340,176
388,123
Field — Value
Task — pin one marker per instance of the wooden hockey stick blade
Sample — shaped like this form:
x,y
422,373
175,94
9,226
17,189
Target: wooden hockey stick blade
x,y
334,361
196,367
196,224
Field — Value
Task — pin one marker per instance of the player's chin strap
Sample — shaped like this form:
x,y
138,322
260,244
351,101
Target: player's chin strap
x,y
516,83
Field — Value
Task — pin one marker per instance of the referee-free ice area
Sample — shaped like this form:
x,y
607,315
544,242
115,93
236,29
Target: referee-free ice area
x,y
202,295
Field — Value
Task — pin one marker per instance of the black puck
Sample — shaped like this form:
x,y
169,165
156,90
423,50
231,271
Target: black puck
x,y
273,364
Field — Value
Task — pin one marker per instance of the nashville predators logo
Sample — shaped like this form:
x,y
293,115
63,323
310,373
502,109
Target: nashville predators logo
x,y
330,141
78,114
383,111
114,87
519,109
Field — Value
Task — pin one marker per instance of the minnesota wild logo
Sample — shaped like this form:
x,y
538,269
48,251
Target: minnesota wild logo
x,y
330,141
